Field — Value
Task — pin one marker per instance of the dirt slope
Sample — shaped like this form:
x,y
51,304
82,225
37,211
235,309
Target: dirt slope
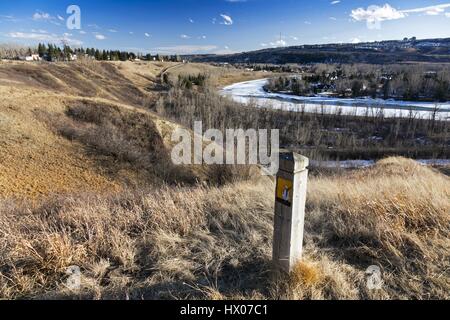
x,y
35,158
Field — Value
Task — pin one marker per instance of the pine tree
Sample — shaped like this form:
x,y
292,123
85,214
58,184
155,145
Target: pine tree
x,y
51,51
123,56
41,50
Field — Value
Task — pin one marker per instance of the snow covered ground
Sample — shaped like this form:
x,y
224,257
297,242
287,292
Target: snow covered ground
x,y
252,91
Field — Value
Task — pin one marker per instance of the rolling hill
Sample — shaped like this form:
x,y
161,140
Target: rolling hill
x,y
86,180
383,52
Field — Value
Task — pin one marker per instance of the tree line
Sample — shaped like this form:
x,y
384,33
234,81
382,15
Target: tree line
x,y
52,52
372,136
405,82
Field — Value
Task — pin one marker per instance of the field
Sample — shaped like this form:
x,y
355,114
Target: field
x,y
86,180
217,76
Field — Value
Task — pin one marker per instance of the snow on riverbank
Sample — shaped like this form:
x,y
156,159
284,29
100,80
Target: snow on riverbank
x,y
253,91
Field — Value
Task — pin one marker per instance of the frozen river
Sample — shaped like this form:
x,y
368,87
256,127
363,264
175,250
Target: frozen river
x,y
253,91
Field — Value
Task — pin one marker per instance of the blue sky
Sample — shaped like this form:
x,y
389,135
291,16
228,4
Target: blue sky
x,y
220,26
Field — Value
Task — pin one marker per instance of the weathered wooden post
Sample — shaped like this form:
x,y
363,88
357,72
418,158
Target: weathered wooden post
x,y
290,199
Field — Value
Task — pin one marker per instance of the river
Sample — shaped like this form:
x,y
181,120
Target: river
x,y
253,92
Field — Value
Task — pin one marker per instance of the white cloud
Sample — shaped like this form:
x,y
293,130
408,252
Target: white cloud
x,y
185,49
184,36
307,22
113,30
434,11
39,31
82,32
278,43
294,38
66,38
226,50
335,2
377,13
147,35
333,18
131,32
447,14
7,17
374,14
227,20
431,10
191,20
30,36
355,40
60,18
99,36
41,16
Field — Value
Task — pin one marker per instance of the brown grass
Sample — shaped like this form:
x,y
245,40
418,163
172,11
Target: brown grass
x,y
217,76
215,242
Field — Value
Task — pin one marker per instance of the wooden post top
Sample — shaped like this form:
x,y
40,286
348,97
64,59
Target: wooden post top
x,y
293,162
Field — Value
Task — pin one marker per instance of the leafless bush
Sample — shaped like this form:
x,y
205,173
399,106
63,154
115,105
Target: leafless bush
x,y
14,51
320,136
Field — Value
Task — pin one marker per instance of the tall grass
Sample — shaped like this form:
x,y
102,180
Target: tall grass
x,y
215,242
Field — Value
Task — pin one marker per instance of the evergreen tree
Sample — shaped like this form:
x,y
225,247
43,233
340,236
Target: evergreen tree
x,y
123,56
41,50
51,51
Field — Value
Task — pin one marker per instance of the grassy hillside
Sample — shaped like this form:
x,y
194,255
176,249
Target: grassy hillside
x,y
86,180
217,76
383,52
215,242
71,128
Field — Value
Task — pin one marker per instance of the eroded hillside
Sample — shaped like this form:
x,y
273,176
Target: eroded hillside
x,y
47,145
90,167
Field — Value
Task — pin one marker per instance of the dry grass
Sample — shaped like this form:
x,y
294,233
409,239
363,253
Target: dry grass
x,y
217,76
395,215
34,162
64,130
215,243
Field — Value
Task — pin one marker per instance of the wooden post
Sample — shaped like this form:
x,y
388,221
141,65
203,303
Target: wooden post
x,y
290,199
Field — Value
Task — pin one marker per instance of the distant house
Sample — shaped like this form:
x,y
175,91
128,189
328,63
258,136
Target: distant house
x,y
33,57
